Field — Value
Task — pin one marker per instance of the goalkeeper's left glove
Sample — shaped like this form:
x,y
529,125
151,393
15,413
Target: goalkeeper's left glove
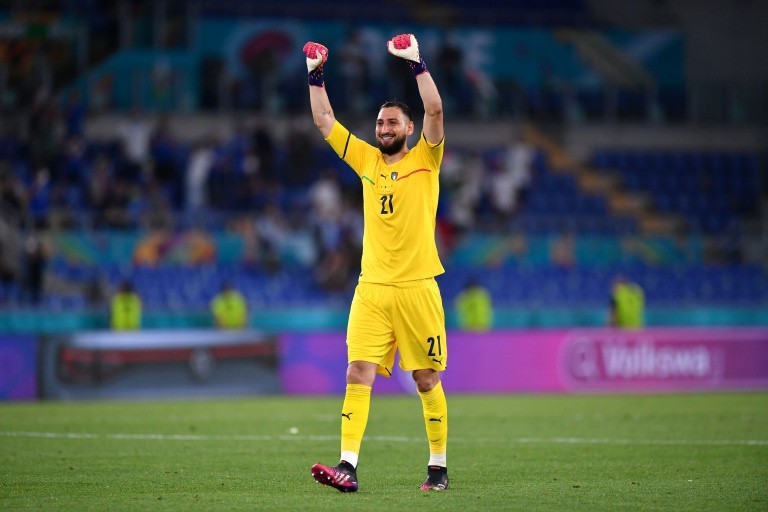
x,y
406,47
316,54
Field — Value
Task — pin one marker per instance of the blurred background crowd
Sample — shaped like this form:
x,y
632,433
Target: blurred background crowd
x,y
169,144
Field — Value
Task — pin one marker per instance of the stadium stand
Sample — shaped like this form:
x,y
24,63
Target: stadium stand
x,y
108,220
556,205
711,190
485,12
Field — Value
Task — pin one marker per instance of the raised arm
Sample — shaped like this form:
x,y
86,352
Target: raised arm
x,y
406,47
322,113
433,108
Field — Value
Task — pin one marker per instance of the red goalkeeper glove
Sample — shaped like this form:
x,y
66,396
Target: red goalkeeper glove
x,y
316,54
406,47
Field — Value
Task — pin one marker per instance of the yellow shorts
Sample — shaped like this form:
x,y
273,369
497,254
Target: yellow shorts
x,y
405,317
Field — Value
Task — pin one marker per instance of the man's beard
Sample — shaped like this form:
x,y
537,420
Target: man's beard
x,y
395,147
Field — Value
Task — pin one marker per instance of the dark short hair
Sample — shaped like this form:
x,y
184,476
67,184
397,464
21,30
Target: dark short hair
x,y
398,104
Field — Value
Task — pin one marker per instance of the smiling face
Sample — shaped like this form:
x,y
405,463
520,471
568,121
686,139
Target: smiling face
x,y
392,129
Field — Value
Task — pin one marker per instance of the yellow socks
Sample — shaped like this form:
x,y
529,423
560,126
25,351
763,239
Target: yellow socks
x,y
436,419
354,418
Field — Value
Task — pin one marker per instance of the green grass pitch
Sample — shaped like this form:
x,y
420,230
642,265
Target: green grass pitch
x,y
692,452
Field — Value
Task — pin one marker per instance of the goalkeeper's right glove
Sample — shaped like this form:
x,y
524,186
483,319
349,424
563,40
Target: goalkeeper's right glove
x,y
316,54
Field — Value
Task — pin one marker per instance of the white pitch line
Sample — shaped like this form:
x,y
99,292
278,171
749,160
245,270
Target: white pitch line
x,y
387,439
662,442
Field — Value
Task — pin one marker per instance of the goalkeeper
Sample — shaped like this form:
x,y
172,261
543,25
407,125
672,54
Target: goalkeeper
x,y
397,304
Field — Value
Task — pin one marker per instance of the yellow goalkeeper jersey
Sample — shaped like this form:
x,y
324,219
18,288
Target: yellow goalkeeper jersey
x,y
399,208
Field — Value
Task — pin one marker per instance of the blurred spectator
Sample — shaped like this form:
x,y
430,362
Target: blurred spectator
x,y
463,174
474,307
70,184
300,156
229,308
12,207
325,197
484,93
153,208
135,134
36,254
126,310
74,112
245,227
450,70
272,231
221,181
509,184
264,148
332,269
102,174
627,304
262,56
162,149
355,71
353,224
8,258
518,161
73,167
244,165
39,198
45,131
115,209
196,177
340,248
336,230
12,214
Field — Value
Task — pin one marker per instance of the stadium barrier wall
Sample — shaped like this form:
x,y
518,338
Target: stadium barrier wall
x,y
159,363
555,361
18,367
167,363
